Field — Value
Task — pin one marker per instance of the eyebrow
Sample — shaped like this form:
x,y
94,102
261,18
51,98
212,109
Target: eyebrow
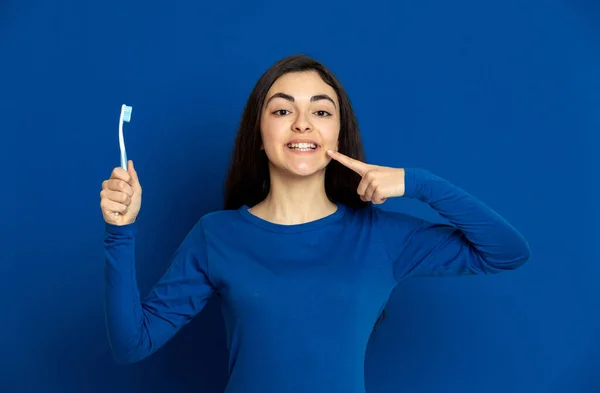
x,y
291,99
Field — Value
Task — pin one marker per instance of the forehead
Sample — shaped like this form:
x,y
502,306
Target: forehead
x,y
302,85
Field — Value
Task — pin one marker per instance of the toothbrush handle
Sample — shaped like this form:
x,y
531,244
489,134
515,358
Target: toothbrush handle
x,y
124,166
124,160
122,145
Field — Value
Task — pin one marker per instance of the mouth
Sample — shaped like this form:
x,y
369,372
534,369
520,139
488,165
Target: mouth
x,y
303,147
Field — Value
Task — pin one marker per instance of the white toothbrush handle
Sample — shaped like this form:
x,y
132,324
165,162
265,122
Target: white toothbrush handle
x,y
122,147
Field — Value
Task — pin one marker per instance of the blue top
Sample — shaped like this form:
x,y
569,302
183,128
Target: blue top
x,y
300,301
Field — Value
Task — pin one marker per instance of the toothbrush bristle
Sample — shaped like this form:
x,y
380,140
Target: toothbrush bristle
x,y
127,113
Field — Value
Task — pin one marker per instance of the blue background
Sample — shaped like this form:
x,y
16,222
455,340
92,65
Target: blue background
x,y
500,97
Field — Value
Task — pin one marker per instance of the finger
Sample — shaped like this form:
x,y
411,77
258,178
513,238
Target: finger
x,y
118,185
362,186
357,166
367,178
110,207
370,191
116,196
120,174
379,201
135,181
376,198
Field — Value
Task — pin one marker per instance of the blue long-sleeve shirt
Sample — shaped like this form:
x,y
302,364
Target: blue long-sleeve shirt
x,y
300,301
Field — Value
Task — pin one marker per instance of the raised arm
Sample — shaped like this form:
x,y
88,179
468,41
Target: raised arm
x,y
137,328
477,241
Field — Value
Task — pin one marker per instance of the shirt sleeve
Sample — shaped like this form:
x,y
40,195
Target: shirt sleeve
x,y
139,327
476,241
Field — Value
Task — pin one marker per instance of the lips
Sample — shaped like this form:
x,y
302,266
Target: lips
x,y
303,145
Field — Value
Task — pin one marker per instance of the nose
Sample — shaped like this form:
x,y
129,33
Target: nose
x,y
301,124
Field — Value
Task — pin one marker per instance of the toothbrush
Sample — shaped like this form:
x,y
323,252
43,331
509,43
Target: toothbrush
x,y
125,116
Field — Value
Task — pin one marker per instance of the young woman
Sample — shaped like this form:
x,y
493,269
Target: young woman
x,y
301,257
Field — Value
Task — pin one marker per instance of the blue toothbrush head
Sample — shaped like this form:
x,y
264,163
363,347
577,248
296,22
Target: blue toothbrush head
x,y
126,113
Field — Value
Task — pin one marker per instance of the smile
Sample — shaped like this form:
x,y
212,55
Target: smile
x,y
303,147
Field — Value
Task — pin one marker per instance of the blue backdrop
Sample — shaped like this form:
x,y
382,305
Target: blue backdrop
x,y
501,98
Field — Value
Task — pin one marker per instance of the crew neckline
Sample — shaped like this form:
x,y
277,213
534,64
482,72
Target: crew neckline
x,y
292,228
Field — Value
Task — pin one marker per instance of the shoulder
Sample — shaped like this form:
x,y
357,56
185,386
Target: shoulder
x,y
375,215
219,221
382,222
209,228
212,222
219,217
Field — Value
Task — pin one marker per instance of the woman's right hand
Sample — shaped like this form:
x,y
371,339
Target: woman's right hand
x,y
121,193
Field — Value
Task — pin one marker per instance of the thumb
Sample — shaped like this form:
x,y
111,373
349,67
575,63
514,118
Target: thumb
x,y
135,181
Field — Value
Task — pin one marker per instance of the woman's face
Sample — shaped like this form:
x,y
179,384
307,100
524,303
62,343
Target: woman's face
x,y
300,121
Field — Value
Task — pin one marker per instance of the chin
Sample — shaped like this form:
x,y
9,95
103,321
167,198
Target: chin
x,y
303,170
307,173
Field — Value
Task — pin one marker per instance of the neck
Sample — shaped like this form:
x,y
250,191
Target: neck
x,y
295,200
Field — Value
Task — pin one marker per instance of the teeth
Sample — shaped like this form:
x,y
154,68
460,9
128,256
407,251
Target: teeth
x,y
302,146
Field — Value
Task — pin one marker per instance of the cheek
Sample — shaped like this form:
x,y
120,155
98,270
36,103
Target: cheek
x,y
271,144
331,135
268,134
273,133
269,141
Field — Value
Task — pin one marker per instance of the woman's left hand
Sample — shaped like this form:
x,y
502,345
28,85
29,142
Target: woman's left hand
x,y
378,182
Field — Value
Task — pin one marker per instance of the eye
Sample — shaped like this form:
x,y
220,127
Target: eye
x,y
323,113
281,112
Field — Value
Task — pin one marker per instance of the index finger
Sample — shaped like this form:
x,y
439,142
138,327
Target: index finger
x,y
356,165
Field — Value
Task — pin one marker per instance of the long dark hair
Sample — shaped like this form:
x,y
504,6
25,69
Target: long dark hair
x,y
248,180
